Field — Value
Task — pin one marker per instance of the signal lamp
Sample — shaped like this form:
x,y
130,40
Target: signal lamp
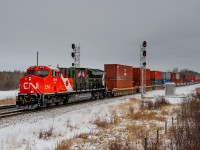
x,y
144,63
73,64
73,46
144,53
144,44
73,54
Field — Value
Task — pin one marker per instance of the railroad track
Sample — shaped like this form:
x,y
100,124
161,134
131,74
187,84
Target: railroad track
x,y
12,113
7,106
70,106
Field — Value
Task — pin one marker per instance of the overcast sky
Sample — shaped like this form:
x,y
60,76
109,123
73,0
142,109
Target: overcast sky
x,y
109,31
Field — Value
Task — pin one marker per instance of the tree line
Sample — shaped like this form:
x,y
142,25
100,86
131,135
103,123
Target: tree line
x,y
10,80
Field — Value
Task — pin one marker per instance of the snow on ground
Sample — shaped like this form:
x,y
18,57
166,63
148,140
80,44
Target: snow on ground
x,y
8,94
25,133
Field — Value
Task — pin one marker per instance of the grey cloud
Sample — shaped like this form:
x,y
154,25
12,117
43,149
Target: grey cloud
x,y
108,31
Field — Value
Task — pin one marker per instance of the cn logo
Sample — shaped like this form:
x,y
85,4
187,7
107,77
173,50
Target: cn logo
x,y
47,87
29,85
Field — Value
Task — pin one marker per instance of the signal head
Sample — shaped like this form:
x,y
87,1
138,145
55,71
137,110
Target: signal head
x,y
73,54
144,53
73,46
144,44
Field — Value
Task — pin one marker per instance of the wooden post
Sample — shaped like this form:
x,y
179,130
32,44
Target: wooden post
x,y
166,127
145,143
157,137
172,121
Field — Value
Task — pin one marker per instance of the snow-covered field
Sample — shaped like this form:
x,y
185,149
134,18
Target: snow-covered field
x,y
24,132
8,94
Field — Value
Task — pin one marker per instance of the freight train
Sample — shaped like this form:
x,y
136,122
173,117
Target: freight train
x,y
43,86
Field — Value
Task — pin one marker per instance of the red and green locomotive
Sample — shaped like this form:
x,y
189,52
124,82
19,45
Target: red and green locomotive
x,y
43,86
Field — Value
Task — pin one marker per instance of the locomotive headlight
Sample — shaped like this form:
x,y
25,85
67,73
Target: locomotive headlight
x,y
29,78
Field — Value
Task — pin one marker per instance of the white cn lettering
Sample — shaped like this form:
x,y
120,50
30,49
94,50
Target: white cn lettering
x,y
47,87
28,85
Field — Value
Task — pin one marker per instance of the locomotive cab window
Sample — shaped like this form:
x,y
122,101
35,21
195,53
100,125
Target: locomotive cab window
x,y
55,74
40,73
31,72
43,73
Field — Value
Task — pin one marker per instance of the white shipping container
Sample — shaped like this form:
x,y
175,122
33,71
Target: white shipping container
x,y
168,76
177,76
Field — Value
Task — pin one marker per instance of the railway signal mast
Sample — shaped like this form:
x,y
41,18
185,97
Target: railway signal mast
x,y
76,55
143,54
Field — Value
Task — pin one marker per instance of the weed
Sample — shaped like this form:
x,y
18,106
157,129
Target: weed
x,y
102,123
46,134
118,144
64,145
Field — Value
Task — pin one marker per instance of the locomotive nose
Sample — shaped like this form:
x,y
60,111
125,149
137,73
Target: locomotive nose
x,y
28,84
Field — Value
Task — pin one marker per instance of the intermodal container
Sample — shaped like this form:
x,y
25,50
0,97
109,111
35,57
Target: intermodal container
x,y
137,73
137,76
137,82
156,82
155,75
166,81
118,76
188,77
182,78
114,83
193,78
173,77
117,71
166,75
177,76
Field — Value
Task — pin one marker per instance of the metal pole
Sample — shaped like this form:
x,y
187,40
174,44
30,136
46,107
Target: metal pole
x,y
141,69
37,58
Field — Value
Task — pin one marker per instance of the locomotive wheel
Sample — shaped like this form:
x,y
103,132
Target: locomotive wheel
x,y
65,101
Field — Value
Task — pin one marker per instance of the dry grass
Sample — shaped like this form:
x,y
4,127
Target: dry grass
x,y
146,115
64,145
165,112
137,131
8,102
46,134
198,89
128,107
119,144
102,123
126,128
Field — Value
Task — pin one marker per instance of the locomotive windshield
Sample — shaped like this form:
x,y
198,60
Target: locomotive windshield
x,y
40,73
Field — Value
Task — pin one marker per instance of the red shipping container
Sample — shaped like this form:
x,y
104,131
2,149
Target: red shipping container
x,y
113,83
138,82
117,71
173,77
155,75
187,77
137,73
118,76
193,78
